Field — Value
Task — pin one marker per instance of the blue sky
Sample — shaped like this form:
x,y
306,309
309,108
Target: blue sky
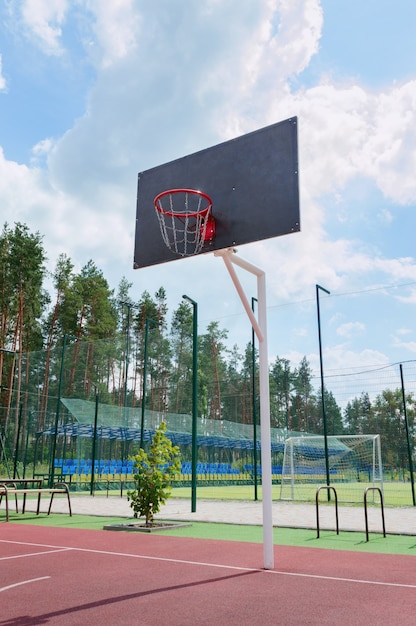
x,y
370,41
93,92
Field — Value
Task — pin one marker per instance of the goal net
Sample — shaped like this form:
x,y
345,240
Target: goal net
x,y
354,463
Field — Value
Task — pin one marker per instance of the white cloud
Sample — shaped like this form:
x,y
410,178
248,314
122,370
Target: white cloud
x,y
43,21
409,299
338,357
301,332
276,46
350,329
116,29
389,155
408,346
176,77
298,34
404,331
386,216
18,185
43,147
40,152
69,226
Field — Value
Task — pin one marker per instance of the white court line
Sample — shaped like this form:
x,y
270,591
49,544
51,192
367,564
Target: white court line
x,y
23,556
23,582
219,565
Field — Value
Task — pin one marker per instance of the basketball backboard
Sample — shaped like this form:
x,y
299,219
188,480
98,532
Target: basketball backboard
x,y
252,181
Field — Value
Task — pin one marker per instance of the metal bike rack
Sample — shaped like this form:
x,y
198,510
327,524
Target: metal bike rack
x,y
365,510
328,488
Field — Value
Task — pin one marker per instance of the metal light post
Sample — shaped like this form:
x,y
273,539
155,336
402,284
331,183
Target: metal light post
x,y
146,340
94,442
129,306
409,445
58,410
194,398
28,427
318,287
16,449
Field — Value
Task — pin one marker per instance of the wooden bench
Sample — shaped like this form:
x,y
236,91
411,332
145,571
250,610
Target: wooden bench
x,y
21,483
9,488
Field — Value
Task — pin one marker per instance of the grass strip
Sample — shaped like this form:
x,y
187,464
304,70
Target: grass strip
x,y
355,541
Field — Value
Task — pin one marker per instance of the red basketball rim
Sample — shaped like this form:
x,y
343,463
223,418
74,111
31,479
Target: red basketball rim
x,y
203,212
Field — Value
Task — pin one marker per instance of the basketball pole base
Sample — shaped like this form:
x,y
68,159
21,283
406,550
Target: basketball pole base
x,y
260,328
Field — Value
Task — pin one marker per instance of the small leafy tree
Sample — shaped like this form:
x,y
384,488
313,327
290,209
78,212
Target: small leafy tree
x,y
154,472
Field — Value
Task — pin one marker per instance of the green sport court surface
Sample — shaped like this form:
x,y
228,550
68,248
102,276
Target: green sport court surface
x,y
391,544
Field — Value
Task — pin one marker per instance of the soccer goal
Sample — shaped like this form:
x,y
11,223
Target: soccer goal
x,y
354,463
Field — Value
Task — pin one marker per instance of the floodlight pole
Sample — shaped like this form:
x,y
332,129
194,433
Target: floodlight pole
x,y
409,445
144,385
194,398
318,287
260,328
28,426
16,449
129,306
94,443
58,408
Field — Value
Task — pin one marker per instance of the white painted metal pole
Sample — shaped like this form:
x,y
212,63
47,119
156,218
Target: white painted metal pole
x,y
266,455
260,328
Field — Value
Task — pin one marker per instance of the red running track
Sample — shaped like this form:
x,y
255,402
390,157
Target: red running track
x,y
88,577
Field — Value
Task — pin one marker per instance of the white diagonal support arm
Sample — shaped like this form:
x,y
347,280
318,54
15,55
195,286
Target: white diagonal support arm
x,y
229,258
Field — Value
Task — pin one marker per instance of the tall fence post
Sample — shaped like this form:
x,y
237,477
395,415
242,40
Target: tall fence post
x,y
409,446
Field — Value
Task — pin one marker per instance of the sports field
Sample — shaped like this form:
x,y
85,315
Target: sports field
x,y
394,493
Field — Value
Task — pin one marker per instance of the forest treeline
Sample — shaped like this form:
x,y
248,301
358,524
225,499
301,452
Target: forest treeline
x,y
134,344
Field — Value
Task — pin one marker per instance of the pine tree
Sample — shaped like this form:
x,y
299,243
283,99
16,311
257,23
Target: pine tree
x,y
281,381
181,337
304,399
52,328
212,370
22,259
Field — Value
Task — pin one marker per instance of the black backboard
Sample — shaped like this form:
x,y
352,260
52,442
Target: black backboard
x,y
253,183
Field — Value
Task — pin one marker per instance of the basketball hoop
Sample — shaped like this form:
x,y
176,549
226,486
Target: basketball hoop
x,y
185,219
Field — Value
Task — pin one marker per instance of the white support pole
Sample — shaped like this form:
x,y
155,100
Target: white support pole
x,y
260,328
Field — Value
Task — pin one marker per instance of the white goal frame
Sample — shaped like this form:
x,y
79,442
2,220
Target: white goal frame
x,y
293,476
